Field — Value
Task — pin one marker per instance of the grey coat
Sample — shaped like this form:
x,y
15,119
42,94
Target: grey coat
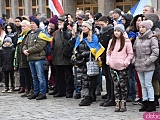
x,y
146,52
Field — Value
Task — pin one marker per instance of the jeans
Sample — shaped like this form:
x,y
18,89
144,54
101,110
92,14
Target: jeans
x,y
146,84
37,71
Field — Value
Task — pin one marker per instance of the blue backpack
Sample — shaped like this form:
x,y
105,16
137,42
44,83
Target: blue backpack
x,y
48,48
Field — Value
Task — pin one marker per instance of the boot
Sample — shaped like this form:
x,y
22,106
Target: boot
x,y
117,107
87,101
109,103
144,106
123,106
156,100
22,90
151,107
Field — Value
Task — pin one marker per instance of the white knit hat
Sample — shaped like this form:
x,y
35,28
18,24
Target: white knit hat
x,y
88,24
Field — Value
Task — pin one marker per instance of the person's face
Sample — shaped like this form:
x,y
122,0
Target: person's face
x,y
139,20
33,26
115,15
80,21
85,29
51,25
24,27
117,33
60,24
18,22
89,15
70,19
123,20
102,24
38,16
142,29
7,43
9,29
146,10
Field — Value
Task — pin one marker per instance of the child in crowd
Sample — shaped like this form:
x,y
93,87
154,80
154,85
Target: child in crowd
x,y
119,56
146,52
7,64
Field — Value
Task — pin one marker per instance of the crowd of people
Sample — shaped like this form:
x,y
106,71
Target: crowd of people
x,y
126,48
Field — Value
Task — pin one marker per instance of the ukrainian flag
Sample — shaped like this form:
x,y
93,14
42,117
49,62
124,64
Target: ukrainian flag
x,y
138,7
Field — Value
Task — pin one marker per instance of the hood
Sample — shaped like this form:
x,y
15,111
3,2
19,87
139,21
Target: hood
x,y
107,28
148,34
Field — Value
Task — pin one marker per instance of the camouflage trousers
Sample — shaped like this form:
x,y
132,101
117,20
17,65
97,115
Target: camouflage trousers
x,y
120,79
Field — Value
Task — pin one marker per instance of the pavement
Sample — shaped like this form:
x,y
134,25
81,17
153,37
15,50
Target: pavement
x,y
14,107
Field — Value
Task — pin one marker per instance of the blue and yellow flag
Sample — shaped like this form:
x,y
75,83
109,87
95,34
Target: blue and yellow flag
x,y
95,47
138,7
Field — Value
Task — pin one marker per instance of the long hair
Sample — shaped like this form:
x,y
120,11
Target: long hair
x,y
122,42
89,37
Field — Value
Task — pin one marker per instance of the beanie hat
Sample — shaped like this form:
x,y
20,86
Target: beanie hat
x,y
119,27
19,18
31,17
35,20
153,17
54,19
117,10
8,39
43,17
88,24
97,16
148,24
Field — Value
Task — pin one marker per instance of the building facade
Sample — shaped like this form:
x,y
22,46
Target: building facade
x,y
14,8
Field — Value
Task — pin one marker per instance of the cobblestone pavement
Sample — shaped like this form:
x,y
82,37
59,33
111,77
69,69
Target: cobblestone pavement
x,y
14,107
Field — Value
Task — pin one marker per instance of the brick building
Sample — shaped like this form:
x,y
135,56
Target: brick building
x,y
14,8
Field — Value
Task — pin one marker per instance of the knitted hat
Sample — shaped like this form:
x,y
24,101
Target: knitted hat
x,y
119,27
148,24
35,20
117,10
54,19
31,17
88,24
97,16
43,17
8,39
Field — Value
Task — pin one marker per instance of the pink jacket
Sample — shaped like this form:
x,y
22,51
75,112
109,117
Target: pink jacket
x,y
119,60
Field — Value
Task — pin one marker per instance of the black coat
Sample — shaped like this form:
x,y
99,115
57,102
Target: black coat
x,y
7,58
104,38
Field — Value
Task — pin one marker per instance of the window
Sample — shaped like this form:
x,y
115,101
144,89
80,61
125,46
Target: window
x,y
21,7
125,5
34,6
8,8
47,10
87,5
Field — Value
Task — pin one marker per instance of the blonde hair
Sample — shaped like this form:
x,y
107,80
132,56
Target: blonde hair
x,y
89,37
26,22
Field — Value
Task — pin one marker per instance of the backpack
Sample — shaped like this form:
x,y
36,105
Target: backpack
x,y
48,48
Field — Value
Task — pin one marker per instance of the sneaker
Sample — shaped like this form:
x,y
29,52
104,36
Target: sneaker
x,y
5,90
10,91
33,96
25,94
41,97
129,99
137,102
77,96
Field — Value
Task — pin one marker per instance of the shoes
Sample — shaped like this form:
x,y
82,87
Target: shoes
x,y
123,106
11,90
109,103
137,102
144,106
25,94
41,97
98,93
5,90
52,93
69,95
104,96
59,95
151,106
117,107
17,89
77,96
30,93
87,101
33,96
22,90
129,99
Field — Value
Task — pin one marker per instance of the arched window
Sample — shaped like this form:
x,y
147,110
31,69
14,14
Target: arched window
x,y
87,5
125,5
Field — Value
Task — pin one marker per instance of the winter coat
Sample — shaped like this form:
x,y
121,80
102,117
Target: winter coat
x,y
7,58
120,60
104,39
60,41
146,52
35,47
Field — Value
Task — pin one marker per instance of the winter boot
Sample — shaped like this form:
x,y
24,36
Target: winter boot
x,y
151,107
87,101
117,107
144,106
22,90
156,100
123,106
